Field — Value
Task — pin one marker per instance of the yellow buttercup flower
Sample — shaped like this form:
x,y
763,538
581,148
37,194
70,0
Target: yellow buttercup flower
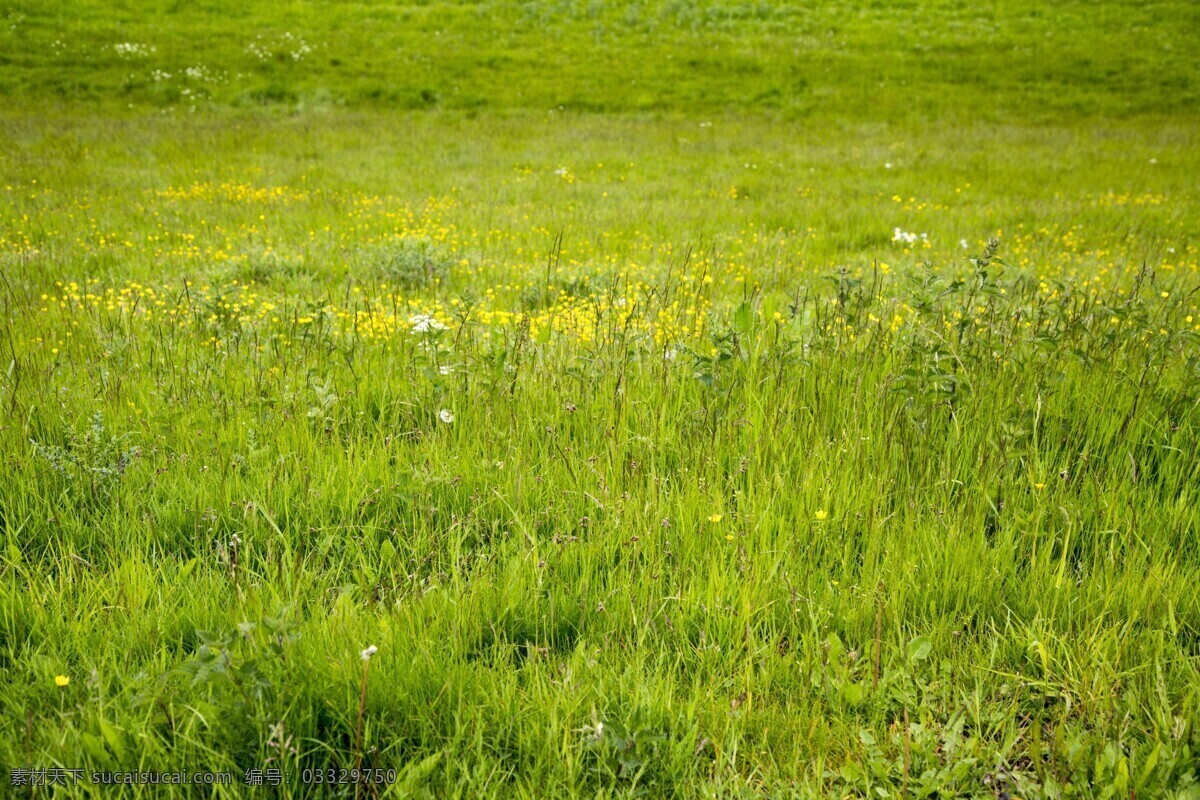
x,y
61,680
716,517
821,514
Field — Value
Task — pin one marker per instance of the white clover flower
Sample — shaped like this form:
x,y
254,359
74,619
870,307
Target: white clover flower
x,y
365,655
963,244
888,165
446,416
445,369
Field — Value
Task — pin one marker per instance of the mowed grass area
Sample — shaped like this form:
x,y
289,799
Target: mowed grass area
x,y
666,438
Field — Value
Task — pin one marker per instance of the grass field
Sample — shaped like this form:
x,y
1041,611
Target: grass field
x,y
666,399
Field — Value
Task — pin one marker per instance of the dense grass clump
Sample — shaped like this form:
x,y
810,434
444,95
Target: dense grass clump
x,y
540,420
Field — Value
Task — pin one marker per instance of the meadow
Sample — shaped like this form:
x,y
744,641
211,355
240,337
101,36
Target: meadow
x,y
666,399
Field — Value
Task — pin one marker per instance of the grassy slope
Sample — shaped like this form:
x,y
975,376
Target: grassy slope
x,y
655,509
878,61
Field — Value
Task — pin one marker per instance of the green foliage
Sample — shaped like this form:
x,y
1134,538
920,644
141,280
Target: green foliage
x,y
89,463
213,663
407,263
665,399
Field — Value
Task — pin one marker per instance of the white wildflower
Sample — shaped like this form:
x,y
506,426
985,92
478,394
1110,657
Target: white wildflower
x,y
133,50
446,416
905,237
424,323
365,655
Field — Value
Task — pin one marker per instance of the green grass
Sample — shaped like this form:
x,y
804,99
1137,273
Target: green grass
x,y
820,61
602,395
